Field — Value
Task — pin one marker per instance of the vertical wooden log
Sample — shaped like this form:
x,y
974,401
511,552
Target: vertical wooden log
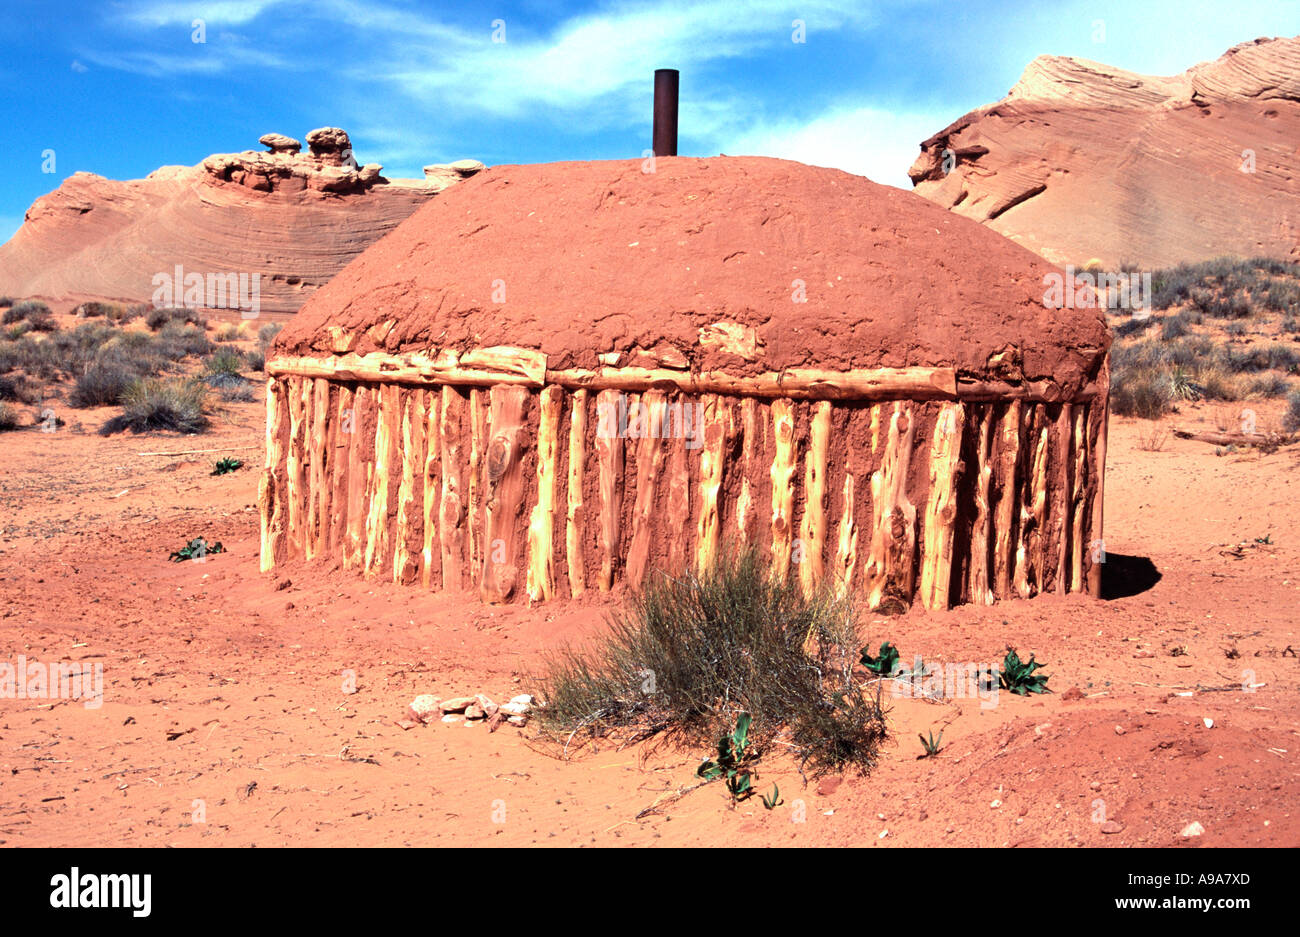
x,y
316,446
609,457
503,493
980,592
891,566
1033,510
379,533
649,467
1060,496
295,468
745,499
812,532
1097,544
941,507
341,437
405,564
688,433
541,525
451,514
271,488
577,513
1004,517
474,478
431,552
359,469
783,466
846,553
1078,494
709,526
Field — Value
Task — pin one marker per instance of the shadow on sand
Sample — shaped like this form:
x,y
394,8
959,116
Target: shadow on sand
x,y
1123,576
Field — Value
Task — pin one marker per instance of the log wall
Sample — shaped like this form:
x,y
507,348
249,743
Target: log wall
x,y
527,493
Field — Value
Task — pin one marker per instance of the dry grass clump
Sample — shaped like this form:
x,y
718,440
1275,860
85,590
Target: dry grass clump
x,y
35,313
152,404
690,653
8,418
1291,418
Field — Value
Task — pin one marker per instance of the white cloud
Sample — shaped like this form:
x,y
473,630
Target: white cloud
x,y
866,141
221,12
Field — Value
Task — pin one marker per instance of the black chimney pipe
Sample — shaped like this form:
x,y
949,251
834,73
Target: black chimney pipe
x,y
665,128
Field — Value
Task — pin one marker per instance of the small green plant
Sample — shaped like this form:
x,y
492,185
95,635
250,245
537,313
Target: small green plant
x,y
931,745
773,800
1266,540
734,761
196,549
883,665
1019,677
226,465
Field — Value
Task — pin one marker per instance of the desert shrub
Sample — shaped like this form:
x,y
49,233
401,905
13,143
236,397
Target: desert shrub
x,y
17,331
1290,325
1277,356
1216,384
728,641
1139,390
1235,329
32,311
18,389
177,340
1174,326
38,357
267,333
93,310
77,348
152,404
6,301
256,359
237,393
1268,385
157,318
1133,326
230,333
8,418
103,383
222,371
1291,418
19,311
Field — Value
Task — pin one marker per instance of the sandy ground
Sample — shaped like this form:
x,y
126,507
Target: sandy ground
x,y
225,721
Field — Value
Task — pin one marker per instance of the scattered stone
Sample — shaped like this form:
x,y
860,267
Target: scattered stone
x,y
996,804
517,720
1192,829
1111,827
457,704
1209,723
1119,730
474,711
424,707
283,584
1095,785
451,717
1073,693
485,703
1144,654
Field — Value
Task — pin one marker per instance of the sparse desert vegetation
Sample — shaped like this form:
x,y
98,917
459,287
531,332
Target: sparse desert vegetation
x,y
1226,332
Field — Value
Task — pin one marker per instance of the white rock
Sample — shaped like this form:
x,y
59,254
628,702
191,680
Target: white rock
x,y
1209,723
424,707
1192,829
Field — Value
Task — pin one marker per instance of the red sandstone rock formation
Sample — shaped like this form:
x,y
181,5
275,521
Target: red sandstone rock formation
x,y
296,219
1081,160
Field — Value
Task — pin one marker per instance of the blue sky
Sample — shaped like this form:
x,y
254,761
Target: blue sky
x,y
120,88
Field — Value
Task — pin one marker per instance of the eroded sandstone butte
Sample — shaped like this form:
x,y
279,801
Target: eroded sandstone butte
x,y
295,218
1081,160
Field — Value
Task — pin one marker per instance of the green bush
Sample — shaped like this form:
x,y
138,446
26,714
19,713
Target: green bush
x,y
104,383
690,653
267,333
156,318
151,404
1141,391
34,312
256,360
1291,418
177,340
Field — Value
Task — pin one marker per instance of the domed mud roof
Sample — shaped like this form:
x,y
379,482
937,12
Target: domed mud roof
x,y
742,265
